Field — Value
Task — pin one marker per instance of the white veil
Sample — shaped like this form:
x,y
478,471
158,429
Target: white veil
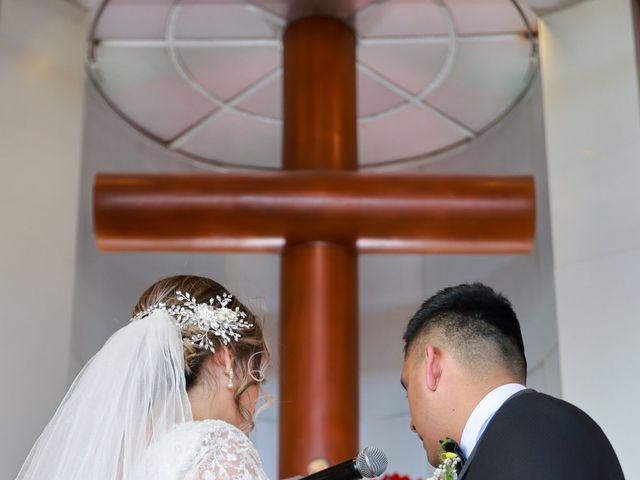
x,y
129,394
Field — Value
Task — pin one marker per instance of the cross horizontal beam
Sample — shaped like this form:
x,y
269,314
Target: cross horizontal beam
x,y
261,212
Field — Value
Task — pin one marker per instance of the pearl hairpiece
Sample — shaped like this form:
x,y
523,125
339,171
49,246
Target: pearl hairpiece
x,y
209,317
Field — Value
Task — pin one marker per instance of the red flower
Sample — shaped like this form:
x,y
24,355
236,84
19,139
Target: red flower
x,y
396,476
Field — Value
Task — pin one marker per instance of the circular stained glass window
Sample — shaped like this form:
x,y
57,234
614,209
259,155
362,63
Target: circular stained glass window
x,y
204,77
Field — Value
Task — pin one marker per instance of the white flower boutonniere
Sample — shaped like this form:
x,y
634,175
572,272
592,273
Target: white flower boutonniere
x,y
451,462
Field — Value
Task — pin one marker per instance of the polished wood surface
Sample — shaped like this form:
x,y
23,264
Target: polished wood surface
x,y
318,355
382,213
319,94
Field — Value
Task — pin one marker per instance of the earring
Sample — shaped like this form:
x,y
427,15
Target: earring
x,y
230,383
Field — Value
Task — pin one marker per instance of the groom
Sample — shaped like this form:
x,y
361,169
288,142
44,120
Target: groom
x,y
464,372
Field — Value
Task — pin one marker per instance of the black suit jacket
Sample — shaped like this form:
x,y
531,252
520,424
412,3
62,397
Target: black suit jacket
x,y
537,437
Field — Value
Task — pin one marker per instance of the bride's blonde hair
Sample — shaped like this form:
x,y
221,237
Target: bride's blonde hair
x,y
250,352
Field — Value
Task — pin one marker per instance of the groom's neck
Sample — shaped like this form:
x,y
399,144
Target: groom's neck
x,y
470,392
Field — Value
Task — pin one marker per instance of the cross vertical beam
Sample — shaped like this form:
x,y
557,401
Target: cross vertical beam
x,y
319,287
319,92
319,356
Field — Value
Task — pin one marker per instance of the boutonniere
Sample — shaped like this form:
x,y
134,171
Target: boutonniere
x,y
451,461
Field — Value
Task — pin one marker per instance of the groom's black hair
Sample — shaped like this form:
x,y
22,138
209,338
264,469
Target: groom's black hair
x,y
470,312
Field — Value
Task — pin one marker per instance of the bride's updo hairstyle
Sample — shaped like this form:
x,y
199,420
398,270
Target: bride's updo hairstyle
x,y
250,352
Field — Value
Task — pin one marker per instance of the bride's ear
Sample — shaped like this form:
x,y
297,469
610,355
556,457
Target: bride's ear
x,y
222,358
227,358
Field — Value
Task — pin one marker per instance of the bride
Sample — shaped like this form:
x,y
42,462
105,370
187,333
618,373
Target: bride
x,y
170,396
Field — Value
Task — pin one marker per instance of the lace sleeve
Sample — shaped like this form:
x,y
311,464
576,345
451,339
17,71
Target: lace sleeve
x,y
227,454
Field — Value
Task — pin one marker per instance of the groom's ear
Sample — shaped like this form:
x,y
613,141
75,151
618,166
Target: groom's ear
x,y
433,359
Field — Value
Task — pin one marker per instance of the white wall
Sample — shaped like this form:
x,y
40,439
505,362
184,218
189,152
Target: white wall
x,y
41,71
592,120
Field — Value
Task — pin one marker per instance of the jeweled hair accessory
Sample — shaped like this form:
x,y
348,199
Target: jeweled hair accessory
x,y
210,317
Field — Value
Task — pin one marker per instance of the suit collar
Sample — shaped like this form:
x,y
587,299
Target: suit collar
x,y
463,472
483,413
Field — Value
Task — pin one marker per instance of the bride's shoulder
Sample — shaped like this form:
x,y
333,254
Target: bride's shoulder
x,y
218,430
224,451
199,439
203,450
217,437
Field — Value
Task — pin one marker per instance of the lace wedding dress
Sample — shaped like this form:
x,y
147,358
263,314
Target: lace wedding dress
x,y
203,450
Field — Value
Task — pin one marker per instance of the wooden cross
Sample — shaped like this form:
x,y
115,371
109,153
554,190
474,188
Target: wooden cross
x,y
319,214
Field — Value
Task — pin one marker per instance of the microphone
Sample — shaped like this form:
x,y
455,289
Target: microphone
x,y
370,462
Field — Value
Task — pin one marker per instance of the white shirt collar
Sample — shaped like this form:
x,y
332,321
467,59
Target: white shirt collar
x,y
483,413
